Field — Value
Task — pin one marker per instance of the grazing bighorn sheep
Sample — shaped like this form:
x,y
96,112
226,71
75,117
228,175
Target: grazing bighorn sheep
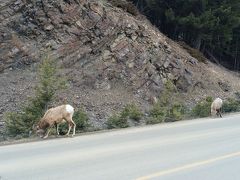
x,y
55,116
216,107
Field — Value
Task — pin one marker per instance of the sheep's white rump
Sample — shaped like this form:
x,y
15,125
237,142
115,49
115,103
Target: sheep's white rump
x,y
55,116
69,109
216,107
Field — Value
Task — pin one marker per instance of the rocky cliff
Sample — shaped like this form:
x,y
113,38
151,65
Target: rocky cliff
x,y
110,57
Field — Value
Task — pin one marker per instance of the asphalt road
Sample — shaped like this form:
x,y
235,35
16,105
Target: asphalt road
x,y
204,149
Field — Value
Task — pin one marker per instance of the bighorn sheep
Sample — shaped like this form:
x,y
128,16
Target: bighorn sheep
x,y
55,116
216,107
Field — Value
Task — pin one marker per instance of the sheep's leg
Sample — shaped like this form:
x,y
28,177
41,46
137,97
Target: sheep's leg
x,y
213,112
57,130
69,129
47,133
74,128
219,113
70,125
56,126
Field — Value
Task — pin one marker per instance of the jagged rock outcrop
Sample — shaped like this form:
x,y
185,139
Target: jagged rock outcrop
x,y
86,32
109,56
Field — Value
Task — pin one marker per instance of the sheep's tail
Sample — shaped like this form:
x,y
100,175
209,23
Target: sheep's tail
x,y
69,109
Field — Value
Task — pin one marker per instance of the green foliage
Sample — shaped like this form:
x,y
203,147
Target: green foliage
x,y
154,120
81,120
231,105
176,112
213,27
160,113
167,108
157,114
117,121
209,99
131,111
168,96
203,108
13,125
20,123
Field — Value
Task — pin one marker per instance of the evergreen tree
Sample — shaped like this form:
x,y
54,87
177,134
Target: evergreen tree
x,y
207,25
21,123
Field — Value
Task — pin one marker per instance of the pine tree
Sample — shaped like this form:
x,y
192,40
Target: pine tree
x,y
21,123
209,26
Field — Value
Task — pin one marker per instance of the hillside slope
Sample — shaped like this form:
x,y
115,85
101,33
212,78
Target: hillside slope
x,y
110,57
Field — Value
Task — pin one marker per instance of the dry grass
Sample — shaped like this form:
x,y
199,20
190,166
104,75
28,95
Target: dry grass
x,y
126,6
194,52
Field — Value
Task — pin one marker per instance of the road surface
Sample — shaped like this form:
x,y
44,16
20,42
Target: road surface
x,y
203,149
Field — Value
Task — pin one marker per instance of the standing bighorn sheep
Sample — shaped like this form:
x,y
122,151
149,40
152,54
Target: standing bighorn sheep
x,y
216,107
55,116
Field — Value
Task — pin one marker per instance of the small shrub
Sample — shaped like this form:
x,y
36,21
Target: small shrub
x,y
231,105
167,108
176,112
81,119
157,114
154,120
169,94
131,111
14,126
117,121
203,108
209,99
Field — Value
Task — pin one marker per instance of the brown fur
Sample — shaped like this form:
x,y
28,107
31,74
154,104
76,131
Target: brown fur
x,y
55,116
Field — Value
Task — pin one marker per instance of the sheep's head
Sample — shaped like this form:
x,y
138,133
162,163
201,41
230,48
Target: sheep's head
x,y
39,131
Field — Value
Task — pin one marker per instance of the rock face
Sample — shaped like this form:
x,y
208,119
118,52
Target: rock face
x,y
109,56
87,32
